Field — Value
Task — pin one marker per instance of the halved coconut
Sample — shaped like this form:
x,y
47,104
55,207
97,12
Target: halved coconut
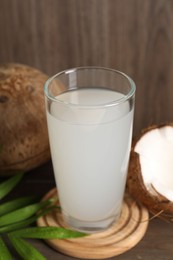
x,y
150,178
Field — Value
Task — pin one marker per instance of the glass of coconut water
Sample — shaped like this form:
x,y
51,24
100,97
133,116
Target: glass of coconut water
x,y
90,118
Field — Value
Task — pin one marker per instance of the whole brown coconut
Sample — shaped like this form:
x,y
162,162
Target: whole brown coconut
x,y
150,176
23,130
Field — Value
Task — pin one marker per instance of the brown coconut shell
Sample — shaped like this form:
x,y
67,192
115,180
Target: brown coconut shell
x,y
23,128
156,204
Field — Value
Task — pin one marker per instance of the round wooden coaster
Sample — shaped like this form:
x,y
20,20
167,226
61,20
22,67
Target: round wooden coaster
x,y
119,238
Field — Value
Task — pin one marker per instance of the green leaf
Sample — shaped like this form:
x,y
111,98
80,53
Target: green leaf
x,y
47,233
24,223
7,186
4,253
22,213
15,204
25,250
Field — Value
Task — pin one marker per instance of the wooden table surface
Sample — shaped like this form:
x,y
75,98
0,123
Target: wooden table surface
x,y
157,243
134,36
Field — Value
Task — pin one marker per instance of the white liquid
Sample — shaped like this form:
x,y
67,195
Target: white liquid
x,y
90,151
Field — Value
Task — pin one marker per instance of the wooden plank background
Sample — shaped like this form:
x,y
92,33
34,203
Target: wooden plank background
x,y
134,36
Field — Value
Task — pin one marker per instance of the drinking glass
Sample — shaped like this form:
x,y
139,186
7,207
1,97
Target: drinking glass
x,y
90,118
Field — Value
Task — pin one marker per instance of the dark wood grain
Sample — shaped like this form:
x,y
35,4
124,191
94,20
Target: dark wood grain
x,y
133,36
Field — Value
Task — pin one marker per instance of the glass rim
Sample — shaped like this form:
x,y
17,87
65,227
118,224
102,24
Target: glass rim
x,y
106,104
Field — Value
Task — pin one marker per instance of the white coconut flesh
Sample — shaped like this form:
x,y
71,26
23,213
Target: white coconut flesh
x,y
155,149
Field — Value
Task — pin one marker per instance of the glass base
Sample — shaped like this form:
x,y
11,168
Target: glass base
x,y
90,226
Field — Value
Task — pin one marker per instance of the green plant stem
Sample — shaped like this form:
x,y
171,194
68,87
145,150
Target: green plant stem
x,y
4,252
23,213
25,250
7,186
47,233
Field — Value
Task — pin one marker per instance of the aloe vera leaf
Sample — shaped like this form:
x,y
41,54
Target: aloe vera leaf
x,y
7,186
22,213
48,233
4,252
25,250
24,223
15,204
